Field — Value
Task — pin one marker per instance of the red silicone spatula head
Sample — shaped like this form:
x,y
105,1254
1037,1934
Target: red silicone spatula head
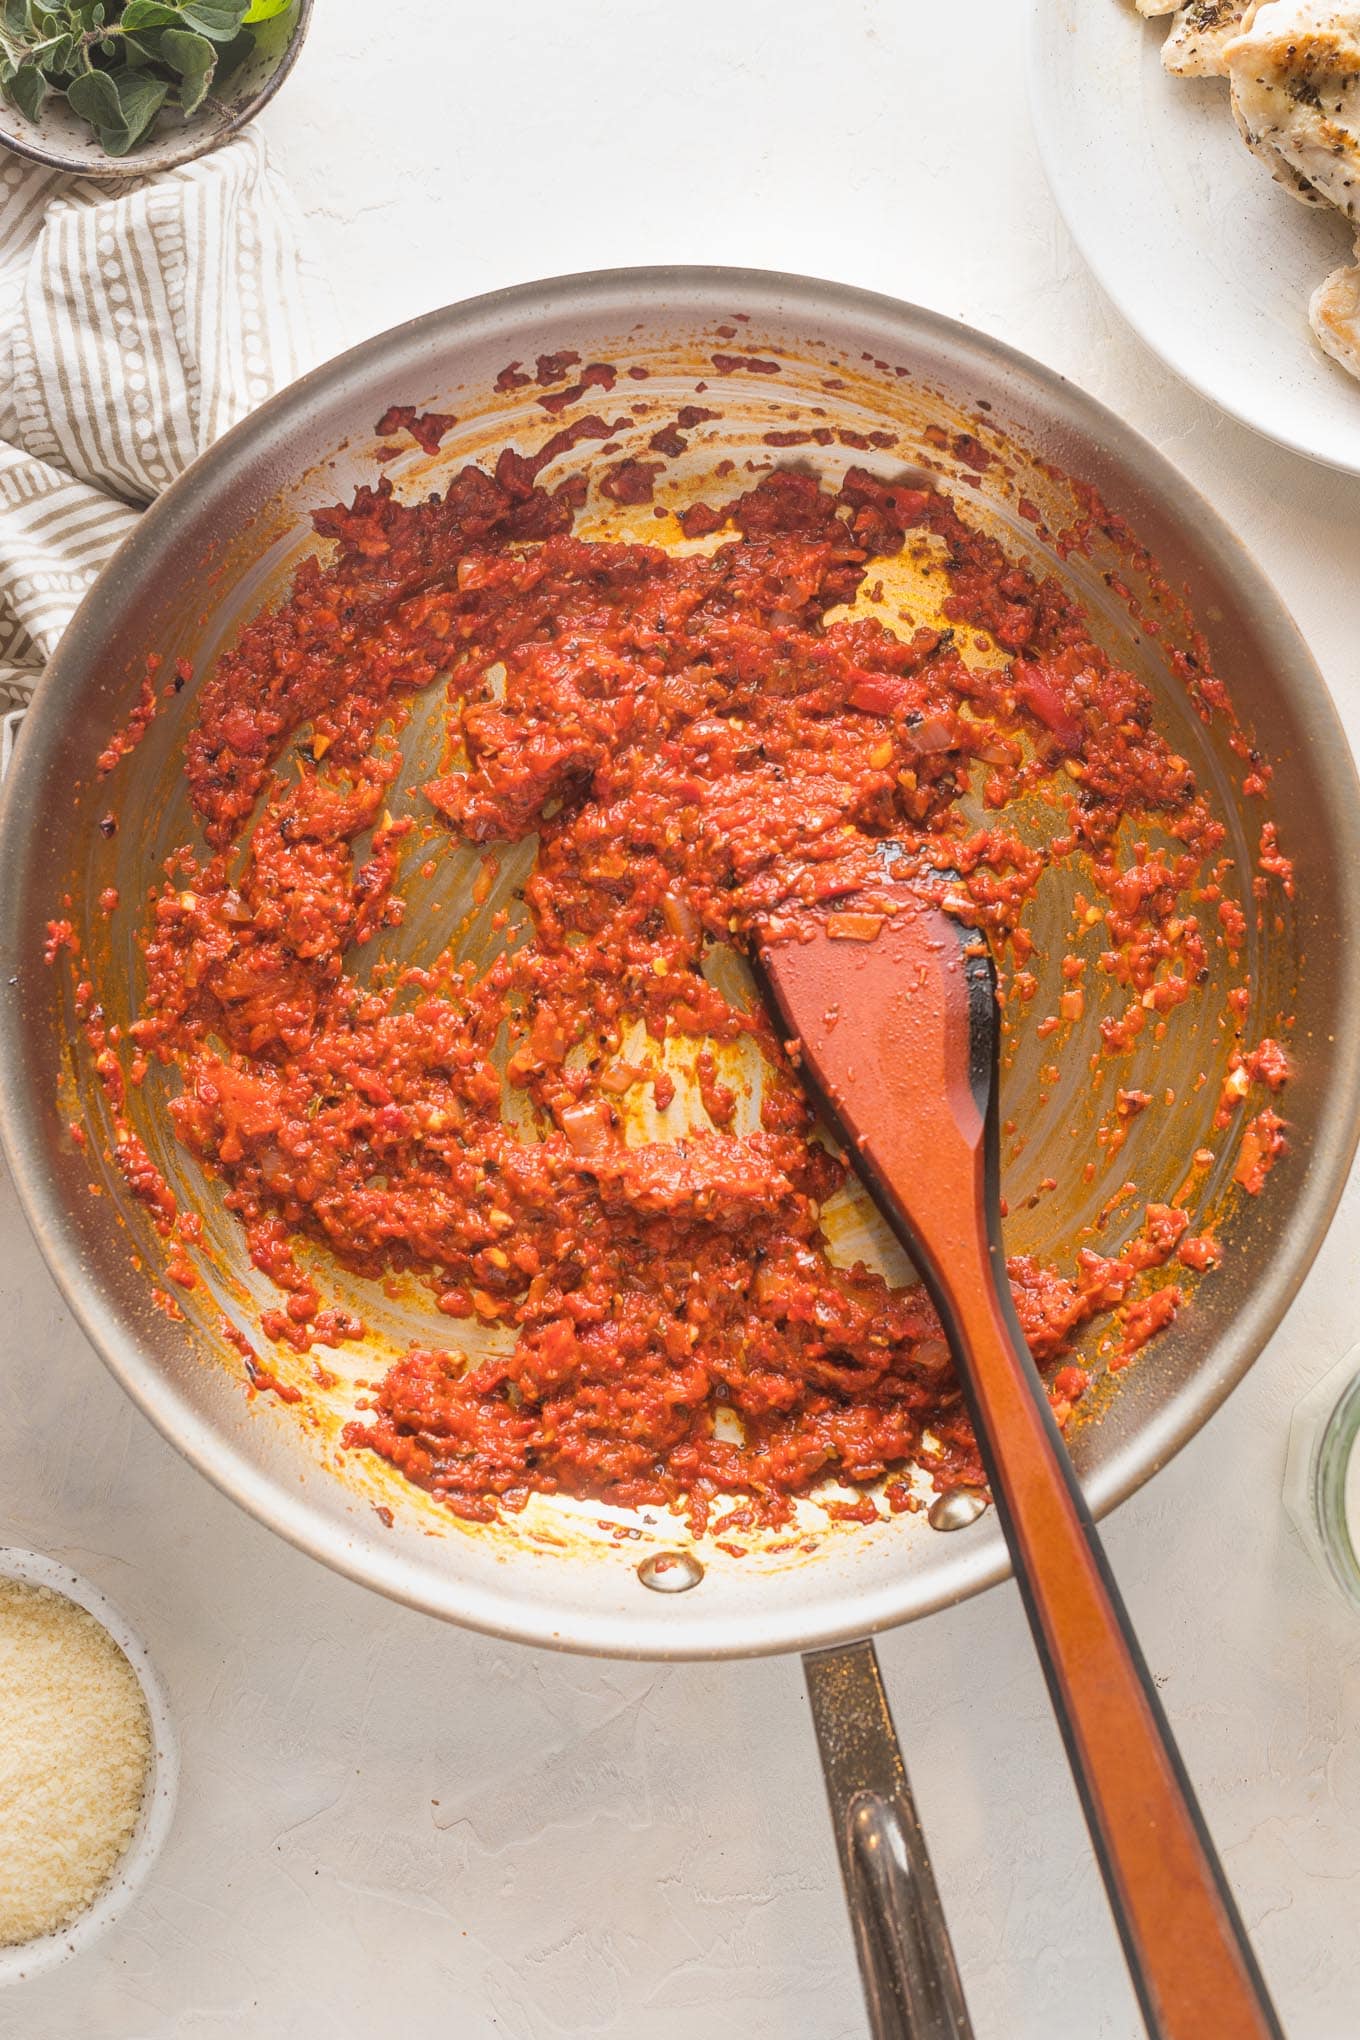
x,y
893,1004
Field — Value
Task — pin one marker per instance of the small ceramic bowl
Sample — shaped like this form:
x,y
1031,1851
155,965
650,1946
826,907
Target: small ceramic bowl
x,y
31,1958
64,142
1322,1474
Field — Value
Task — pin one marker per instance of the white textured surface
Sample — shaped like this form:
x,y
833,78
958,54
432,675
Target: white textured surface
x,y
389,1828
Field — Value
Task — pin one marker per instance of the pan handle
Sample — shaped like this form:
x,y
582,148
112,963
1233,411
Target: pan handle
x,y
906,1960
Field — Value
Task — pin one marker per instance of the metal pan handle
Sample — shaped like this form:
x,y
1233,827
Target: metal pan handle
x,y
906,1960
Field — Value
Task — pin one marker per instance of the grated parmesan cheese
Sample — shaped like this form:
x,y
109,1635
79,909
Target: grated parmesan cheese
x,y
75,1750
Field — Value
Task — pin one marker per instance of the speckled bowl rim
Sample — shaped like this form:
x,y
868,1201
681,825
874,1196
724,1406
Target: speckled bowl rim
x,y
199,140
27,1959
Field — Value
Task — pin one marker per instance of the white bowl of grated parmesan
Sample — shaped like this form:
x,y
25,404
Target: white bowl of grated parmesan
x,y
88,1764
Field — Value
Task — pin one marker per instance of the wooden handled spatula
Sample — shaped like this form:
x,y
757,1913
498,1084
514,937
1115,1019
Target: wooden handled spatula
x,y
898,1034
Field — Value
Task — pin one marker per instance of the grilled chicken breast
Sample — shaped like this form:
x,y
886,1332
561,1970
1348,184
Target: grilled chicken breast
x,y
1201,32
1295,78
1334,315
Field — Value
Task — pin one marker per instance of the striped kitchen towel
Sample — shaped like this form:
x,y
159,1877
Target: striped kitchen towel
x,y
137,322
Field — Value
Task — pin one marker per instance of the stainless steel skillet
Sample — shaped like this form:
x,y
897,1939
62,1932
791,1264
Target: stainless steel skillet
x,y
223,540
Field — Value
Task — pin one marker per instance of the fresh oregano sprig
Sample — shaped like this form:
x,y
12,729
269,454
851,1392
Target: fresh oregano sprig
x,y
118,62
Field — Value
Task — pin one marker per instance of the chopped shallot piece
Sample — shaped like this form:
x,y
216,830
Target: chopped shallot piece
x,y
586,1127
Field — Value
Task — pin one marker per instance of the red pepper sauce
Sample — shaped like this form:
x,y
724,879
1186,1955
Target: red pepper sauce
x,y
694,740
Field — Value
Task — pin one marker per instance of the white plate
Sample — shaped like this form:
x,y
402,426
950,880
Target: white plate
x,y
1207,257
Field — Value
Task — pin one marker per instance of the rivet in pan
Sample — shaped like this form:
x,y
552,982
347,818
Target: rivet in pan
x,y
670,1572
957,1509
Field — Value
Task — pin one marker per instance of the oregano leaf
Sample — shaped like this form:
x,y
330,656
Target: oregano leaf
x,y
149,14
195,58
28,89
139,51
219,20
140,99
95,98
